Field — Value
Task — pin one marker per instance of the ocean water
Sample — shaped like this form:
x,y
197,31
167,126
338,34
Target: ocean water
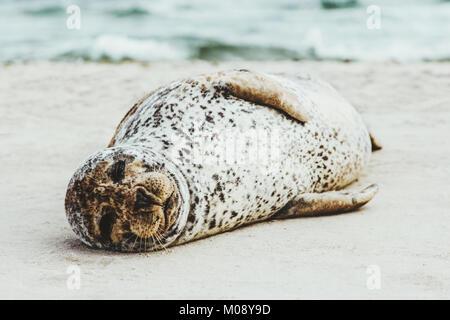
x,y
160,30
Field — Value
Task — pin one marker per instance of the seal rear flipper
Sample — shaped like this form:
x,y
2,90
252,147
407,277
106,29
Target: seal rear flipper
x,y
261,89
326,203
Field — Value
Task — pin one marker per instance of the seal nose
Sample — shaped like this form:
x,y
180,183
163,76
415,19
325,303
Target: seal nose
x,y
142,200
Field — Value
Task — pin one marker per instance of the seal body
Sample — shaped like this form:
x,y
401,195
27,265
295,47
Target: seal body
x,y
232,151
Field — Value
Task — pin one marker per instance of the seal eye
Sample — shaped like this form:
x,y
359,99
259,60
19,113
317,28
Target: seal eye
x,y
142,200
107,222
117,171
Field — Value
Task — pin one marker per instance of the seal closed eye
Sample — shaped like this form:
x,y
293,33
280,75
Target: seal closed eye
x,y
166,177
117,171
106,223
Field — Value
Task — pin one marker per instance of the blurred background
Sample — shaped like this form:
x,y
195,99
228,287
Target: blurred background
x,y
161,30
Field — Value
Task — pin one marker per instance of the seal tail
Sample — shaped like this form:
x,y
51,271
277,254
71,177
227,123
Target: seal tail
x,y
327,203
375,144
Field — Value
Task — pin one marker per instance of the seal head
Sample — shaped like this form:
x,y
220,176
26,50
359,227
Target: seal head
x,y
127,198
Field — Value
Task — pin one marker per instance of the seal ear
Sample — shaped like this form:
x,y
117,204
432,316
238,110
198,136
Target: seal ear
x,y
261,89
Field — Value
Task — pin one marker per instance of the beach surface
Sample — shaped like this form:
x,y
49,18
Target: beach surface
x,y
54,115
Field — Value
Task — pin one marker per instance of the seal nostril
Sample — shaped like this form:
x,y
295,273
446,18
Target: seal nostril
x,y
107,222
142,200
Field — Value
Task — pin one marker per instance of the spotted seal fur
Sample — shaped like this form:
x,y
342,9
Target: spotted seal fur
x,y
214,152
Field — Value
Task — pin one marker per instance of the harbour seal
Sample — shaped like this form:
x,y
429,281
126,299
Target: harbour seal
x,y
214,152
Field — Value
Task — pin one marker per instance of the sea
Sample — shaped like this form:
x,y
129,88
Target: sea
x,y
172,30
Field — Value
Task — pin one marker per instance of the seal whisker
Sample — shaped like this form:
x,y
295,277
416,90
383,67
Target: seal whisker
x,y
134,243
157,235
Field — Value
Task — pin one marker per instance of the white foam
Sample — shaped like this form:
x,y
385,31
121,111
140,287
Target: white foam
x,y
118,48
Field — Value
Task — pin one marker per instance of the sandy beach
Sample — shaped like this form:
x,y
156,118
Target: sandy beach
x,y
54,115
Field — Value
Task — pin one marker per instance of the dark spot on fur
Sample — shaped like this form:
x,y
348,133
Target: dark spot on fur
x,y
209,119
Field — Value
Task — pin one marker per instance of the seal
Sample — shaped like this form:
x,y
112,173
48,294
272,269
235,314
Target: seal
x,y
215,152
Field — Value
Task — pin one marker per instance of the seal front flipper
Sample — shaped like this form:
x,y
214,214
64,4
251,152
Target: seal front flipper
x,y
261,89
331,202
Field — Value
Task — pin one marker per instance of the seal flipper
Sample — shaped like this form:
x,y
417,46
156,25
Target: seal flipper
x,y
261,89
331,202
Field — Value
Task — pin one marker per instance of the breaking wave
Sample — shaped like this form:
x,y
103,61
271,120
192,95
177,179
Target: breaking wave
x,y
114,31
